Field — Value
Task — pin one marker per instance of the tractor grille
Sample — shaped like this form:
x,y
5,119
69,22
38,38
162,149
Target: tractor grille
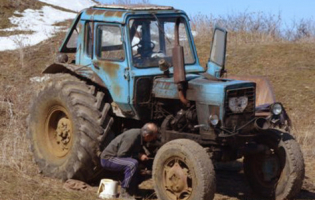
x,y
235,120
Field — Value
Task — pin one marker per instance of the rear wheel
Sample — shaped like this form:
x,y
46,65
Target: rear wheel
x,y
279,173
68,121
182,170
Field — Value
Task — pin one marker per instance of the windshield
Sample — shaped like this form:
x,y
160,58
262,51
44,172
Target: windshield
x,y
152,39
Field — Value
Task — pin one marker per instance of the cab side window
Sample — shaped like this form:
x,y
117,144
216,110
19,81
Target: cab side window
x,y
89,39
109,43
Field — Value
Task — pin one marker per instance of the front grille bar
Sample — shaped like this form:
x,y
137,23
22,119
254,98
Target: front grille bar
x,y
248,92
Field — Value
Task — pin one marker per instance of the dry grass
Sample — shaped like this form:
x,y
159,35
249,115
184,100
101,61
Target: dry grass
x,y
255,27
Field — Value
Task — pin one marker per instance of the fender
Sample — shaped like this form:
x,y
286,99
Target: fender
x,y
77,70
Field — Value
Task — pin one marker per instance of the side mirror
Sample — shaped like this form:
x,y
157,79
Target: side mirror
x,y
216,62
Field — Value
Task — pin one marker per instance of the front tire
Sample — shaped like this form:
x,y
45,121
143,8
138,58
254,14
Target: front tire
x,y
280,173
182,170
68,122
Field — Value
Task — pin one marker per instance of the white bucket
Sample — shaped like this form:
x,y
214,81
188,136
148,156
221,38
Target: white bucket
x,y
107,189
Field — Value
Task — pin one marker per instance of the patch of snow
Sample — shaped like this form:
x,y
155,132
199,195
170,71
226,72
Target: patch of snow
x,y
40,22
39,79
75,5
194,33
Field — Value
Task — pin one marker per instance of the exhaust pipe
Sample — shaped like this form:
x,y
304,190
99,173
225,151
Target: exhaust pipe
x,y
261,124
179,66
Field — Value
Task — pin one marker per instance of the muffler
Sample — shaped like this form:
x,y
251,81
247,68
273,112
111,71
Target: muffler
x,y
179,67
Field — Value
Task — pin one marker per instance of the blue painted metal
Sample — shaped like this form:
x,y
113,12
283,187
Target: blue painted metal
x,y
214,69
113,73
119,76
200,89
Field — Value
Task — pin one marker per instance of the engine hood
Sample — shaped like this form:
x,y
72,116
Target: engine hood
x,y
200,88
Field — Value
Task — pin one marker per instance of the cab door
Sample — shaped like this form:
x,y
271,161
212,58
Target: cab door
x,y
216,63
107,58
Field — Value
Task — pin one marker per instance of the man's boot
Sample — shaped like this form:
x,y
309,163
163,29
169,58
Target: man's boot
x,y
125,195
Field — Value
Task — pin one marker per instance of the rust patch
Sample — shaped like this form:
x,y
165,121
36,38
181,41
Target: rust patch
x,y
166,85
135,7
119,14
108,13
109,67
113,14
99,12
90,11
116,90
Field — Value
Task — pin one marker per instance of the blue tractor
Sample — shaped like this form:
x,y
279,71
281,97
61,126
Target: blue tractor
x,y
122,66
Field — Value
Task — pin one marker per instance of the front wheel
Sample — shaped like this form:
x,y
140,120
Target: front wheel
x,y
278,173
182,170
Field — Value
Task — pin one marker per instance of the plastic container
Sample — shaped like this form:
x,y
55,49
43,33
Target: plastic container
x,y
107,189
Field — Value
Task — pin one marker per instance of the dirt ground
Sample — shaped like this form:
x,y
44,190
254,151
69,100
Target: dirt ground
x,y
231,184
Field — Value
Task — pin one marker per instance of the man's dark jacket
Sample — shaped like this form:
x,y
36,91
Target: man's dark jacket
x,y
127,144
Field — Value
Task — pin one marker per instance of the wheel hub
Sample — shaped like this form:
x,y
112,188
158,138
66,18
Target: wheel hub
x,y
59,133
63,133
177,179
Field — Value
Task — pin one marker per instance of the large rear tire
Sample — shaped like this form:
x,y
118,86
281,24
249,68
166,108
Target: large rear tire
x,y
68,122
182,170
280,173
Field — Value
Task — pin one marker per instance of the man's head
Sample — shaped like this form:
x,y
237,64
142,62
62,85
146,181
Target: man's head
x,y
149,132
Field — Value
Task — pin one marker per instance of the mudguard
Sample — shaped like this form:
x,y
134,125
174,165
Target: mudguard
x,y
79,70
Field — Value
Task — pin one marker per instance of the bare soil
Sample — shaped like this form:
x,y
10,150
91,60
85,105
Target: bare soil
x,y
231,184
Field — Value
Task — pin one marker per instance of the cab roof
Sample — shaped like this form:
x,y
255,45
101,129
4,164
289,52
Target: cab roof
x,y
118,13
134,7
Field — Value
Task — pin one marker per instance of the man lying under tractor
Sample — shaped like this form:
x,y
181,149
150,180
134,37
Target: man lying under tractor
x,y
121,154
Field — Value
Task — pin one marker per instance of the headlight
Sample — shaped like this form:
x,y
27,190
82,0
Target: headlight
x,y
214,120
238,104
276,109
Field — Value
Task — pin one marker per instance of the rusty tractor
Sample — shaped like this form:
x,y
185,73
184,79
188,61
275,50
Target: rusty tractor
x,y
138,63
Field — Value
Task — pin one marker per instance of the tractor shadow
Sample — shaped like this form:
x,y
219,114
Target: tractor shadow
x,y
232,183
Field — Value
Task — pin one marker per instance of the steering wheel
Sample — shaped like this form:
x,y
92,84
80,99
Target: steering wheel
x,y
139,45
